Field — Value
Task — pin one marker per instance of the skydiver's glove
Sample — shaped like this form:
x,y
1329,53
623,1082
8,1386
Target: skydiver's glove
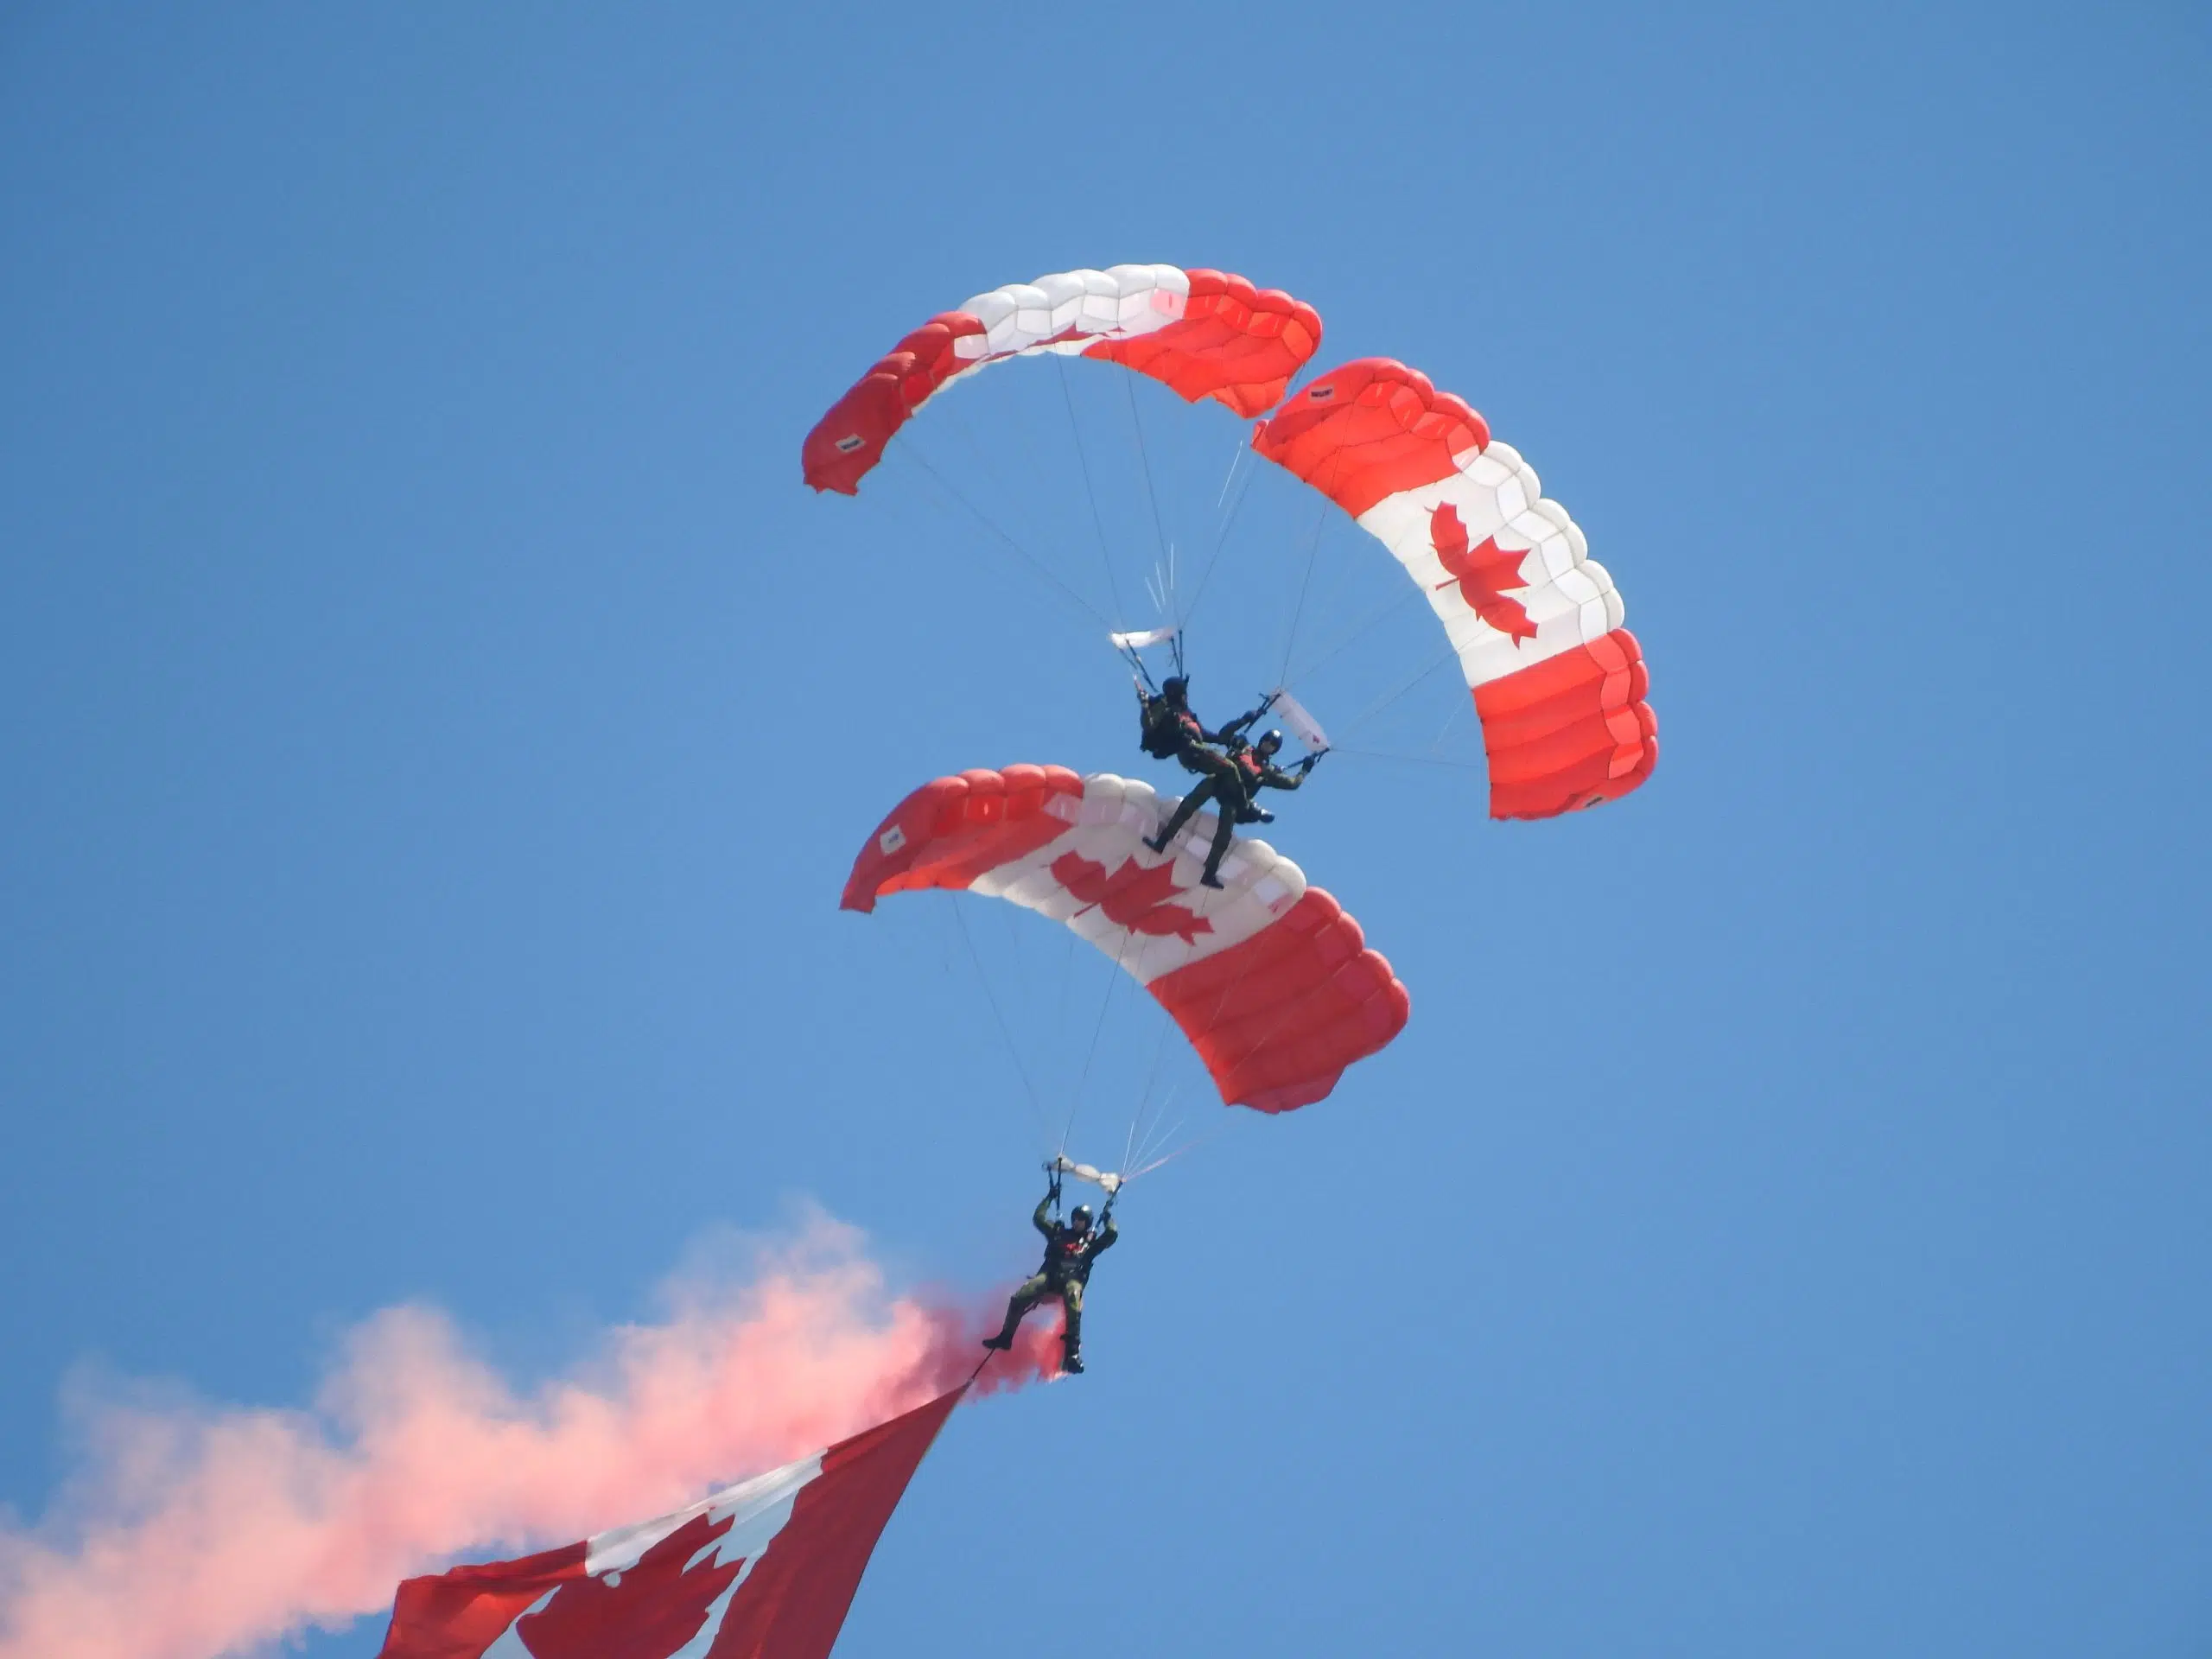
x,y
1309,763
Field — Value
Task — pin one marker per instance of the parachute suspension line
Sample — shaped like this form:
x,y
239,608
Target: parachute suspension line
x,y
1036,1105
1074,1097
1411,759
1220,541
1459,706
1313,550
1144,461
1136,1140
1083,460
1312,553
1236,459
1451,652
907,446
1169,1157
1360,631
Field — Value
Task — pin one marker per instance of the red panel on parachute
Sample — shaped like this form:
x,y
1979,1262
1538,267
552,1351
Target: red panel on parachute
x,y
1274,1018
1369,429
1570,732
849,440
1235,344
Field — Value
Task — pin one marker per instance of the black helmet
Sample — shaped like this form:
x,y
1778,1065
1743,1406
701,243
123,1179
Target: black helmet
x,y
1269,743
1079,1218
1175,688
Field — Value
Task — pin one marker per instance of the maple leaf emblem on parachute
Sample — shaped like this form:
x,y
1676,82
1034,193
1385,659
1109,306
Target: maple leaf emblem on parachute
x,y
1484,572
1133,897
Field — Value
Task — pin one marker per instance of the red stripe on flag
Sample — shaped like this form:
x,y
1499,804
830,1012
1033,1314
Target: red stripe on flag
x,y
795,1602
459,1614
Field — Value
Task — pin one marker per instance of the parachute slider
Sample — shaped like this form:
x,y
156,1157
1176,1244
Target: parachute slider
x,y
1132,643
1303,726
1106,1180
1143,637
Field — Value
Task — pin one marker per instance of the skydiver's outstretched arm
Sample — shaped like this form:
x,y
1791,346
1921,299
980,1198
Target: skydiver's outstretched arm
x,y
1239,726
1039,1220
1107,1232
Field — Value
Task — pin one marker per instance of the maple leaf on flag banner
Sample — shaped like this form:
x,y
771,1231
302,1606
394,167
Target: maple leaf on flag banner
x,y
762,1570
1484,572
1136,896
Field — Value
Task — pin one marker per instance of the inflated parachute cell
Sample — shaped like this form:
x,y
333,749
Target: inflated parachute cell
x,y
1558,682
1268,978
1205,333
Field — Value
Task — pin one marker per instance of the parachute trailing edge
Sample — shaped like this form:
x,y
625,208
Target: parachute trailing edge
x,y
1557,683
1270,979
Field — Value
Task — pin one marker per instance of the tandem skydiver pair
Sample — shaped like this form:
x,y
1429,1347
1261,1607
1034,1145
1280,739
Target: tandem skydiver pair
x,y
1231,770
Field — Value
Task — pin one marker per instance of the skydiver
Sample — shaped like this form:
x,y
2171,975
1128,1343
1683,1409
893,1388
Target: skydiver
x,y
1250,769
1167,730
1069,1252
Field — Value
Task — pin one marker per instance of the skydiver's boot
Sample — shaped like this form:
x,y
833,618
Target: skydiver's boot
x,y
1225,831
1071,1336
1004,1340
1184,811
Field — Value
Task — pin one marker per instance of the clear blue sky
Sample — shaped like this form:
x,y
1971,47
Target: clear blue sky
x,y
1782,1228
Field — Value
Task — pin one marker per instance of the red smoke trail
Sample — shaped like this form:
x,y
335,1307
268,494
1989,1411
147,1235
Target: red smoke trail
x,y
194,1533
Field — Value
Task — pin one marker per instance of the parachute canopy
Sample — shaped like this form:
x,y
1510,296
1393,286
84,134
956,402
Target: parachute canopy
x,y
765,1568
1268,977
1204,333
1558,682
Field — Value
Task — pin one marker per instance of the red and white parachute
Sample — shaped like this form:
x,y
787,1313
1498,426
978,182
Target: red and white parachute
x,y
1268,977
1204,333
1557,683
1536,623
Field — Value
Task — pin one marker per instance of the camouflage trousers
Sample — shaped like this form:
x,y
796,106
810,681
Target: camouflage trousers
x,y
1042,1289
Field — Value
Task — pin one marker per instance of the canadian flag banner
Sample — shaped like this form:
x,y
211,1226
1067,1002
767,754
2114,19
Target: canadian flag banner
x,y
765,1569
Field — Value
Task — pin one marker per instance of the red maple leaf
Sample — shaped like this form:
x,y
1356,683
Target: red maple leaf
x,y
645,1611
1484,572
1134,897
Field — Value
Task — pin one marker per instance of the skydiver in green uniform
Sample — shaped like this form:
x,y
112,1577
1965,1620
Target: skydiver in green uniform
x,y
1250,769
1069,1252
1168,730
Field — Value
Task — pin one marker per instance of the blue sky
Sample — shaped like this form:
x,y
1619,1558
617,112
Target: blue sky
x,y
438,722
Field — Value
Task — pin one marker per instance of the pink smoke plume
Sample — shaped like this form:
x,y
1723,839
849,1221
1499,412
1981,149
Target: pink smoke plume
x,y
196,1533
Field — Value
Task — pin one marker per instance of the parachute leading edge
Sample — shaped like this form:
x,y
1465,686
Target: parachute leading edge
x,y
1268,977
